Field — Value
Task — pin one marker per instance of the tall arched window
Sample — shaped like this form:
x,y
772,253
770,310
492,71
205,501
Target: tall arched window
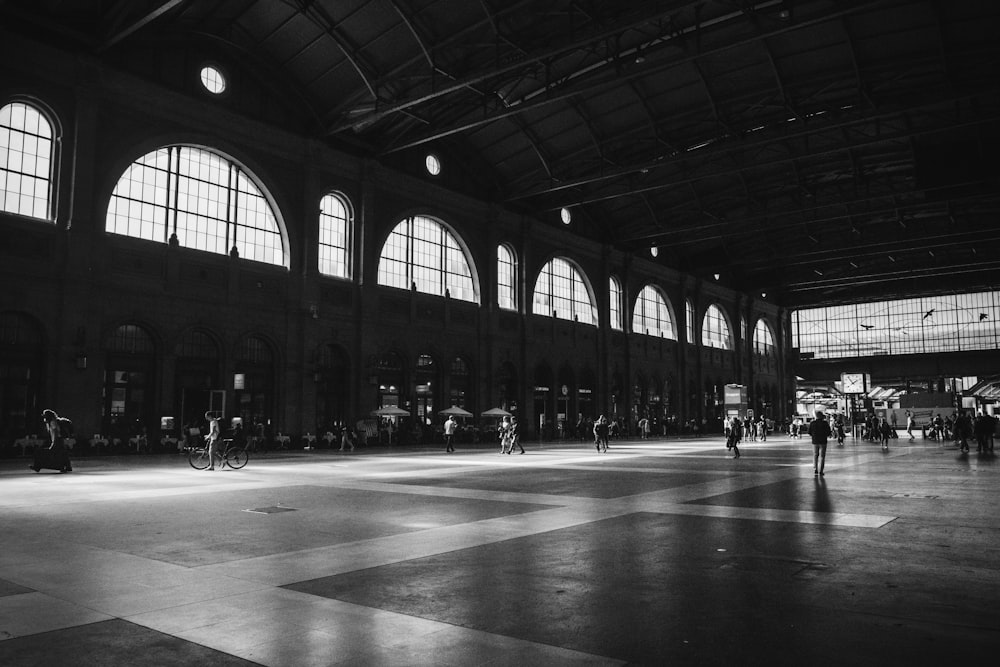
x,y
689,320
561,292
763,341
204,199
652,315
506,273
615,299
26,159
715,329
421,252
334,236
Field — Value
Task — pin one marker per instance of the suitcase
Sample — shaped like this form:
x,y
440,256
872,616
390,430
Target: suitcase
x,y
56,458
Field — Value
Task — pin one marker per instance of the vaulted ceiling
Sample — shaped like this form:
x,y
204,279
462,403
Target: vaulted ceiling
x,y
821,151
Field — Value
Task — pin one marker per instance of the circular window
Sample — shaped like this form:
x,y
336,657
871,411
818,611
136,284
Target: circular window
x,y
433,165
654,251
566,216
213,80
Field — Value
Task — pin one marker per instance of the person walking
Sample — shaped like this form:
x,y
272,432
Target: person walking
x,y
503,433
601,434
819,432
735,435
885,432
449,433
909,424
212,439
346,438
513,436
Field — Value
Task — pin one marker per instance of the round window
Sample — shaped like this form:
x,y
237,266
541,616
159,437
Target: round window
x,y
213,80
433,165
566,216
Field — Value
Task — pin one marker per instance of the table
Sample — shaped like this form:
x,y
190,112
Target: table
x,y
139,442
29,441
98,441
171,441
329,438
310,441
282,441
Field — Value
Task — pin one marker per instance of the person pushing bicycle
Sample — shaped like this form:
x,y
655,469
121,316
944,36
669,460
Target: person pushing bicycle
x,y
212,439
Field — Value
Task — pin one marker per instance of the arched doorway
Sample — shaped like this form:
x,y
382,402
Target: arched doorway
x,y
196,374
21,355
460,384
567,415
333,381
425,385
129,370
542,396
389,380
507,389
253,383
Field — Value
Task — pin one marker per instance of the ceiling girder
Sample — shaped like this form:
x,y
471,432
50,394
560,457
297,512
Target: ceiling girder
x,y
551,92
729,170
812,128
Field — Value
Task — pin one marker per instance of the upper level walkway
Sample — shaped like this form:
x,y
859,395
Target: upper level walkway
x,y
656,552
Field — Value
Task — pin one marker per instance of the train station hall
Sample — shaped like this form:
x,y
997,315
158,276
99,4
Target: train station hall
x,y
460,333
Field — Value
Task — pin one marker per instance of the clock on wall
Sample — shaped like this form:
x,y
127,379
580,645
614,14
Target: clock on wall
x,y
853,383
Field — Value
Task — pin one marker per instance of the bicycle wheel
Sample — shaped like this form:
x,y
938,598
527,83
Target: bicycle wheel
x,y
237,458
198,458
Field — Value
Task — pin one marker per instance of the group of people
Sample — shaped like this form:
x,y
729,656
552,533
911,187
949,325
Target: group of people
x,y
510,435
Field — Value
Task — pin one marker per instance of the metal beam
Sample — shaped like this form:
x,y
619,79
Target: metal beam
x,y
782,160
744,145
139,23
549,93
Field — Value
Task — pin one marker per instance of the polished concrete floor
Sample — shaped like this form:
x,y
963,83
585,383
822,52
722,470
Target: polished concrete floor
x,y
661,552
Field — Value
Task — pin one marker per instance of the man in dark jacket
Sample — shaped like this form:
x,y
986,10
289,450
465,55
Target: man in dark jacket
x,y
819,431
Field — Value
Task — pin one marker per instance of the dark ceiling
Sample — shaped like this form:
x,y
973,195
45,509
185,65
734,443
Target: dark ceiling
x,y
821,151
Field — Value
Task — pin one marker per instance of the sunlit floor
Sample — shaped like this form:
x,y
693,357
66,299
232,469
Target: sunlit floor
x,y
660,552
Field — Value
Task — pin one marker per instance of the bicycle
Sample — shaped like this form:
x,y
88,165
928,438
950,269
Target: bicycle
x,y
233,456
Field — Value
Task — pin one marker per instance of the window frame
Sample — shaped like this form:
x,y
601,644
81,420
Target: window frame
x,y
577,283
653,294
347,251
414,246
54,140
615,304
716,337
764,348
510,269
175,183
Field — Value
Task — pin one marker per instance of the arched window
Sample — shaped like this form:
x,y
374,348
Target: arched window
x,y
506,272
689,320
26,161
763,340
561,292
615,299
652,315
421,252
715,329
204,199
334,236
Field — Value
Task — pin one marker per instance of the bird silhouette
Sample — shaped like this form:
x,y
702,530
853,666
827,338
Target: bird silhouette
x,y
928,314
983,316
867,326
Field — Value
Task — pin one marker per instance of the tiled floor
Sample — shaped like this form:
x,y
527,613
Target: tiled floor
x,y
657,552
